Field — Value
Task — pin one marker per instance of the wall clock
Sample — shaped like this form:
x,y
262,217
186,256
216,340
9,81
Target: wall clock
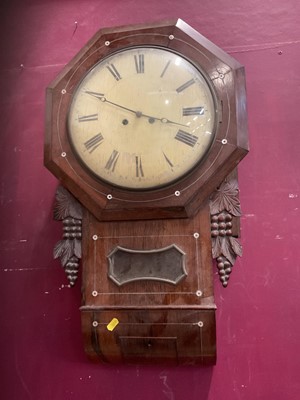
x,y
145,127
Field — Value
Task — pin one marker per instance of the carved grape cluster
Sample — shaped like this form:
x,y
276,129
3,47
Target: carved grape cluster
x,y
225,209
224,269
71,269
221,225
221,228
71,228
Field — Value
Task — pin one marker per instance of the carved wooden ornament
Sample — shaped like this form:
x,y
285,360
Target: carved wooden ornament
x,y
68,210
224,207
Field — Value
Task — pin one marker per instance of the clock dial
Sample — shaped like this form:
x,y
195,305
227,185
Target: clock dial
x,y
142,118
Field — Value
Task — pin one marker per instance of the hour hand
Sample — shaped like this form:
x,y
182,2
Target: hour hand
x,y
162,120
167,121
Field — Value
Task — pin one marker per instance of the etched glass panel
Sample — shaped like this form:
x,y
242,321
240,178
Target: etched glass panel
x,y
166,265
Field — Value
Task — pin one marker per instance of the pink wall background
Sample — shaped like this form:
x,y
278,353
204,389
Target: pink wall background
x,y
258,319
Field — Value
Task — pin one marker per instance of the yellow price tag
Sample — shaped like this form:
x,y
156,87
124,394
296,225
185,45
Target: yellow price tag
x,y
113,323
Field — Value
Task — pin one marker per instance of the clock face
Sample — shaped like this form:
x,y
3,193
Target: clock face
x,y
142,118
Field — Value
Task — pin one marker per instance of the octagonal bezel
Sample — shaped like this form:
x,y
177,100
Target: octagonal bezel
x,y
184,197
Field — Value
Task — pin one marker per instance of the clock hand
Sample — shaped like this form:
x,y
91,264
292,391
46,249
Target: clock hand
x,y
167,121
102,98
139,114
163,120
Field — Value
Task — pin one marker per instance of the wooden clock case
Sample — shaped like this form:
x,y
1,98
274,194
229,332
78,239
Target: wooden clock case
x,y
147,284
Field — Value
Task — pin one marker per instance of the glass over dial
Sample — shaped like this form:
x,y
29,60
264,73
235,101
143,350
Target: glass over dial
x,y
142,118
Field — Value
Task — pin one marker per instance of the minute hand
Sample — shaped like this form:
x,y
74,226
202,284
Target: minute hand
x,y
137,113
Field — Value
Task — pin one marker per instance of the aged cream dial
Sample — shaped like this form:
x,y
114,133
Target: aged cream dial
x,y
142,118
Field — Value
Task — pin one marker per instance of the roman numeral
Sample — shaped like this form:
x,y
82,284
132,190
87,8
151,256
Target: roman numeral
x,y
192,111
186,138
139,63
93,142
165,69
113,70
138,167
112,161
95,94
87,118
185,85
168,160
